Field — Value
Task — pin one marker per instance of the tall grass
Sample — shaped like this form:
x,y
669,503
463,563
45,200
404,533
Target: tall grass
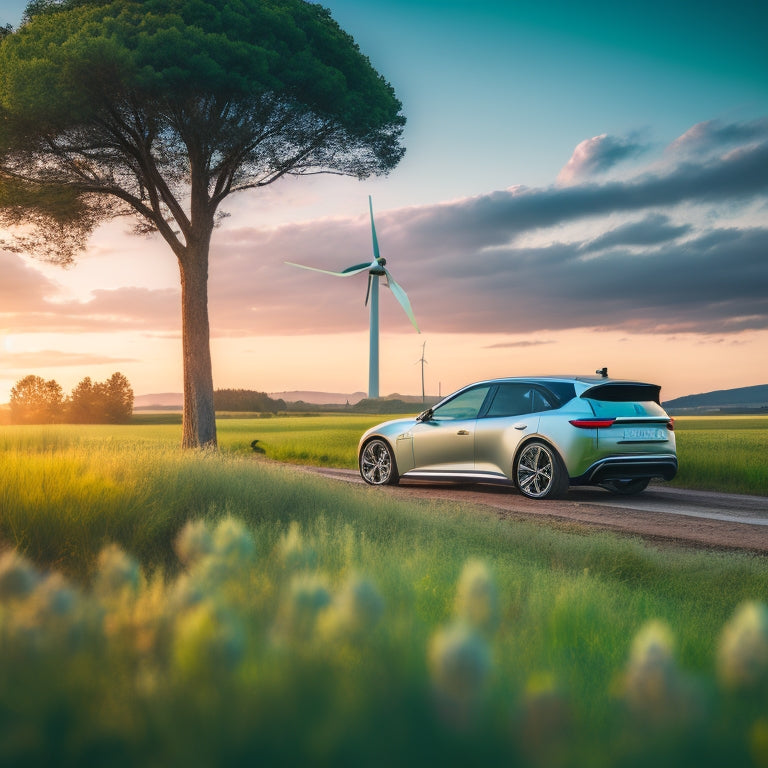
x,y
723,453
297,622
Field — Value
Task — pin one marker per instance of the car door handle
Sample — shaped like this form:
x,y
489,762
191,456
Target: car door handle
x,y
463,432
521,426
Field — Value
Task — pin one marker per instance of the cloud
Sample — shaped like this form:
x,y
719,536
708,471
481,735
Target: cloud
x,y
716,135
517,344
50,358
598,155
654,229
676,250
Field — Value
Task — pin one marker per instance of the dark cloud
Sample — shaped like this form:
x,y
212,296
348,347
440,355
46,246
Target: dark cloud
x,y
652,230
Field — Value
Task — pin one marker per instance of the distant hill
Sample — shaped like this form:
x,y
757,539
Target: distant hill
x,y
741,399
163,400
318,398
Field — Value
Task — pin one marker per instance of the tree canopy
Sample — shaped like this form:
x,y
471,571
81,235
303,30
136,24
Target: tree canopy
x,y
160,109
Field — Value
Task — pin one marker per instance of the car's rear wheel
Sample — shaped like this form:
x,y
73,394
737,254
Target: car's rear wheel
x,y
626,487
377,463
540,472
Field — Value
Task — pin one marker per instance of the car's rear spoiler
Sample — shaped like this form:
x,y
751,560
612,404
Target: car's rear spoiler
x,y
624,392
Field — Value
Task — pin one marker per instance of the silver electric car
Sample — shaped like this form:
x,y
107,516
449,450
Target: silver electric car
x,y
541,434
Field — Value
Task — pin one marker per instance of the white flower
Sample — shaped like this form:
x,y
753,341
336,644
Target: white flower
x,y
117,572
18,577
742,658
194,542
233,541
477,600
459,663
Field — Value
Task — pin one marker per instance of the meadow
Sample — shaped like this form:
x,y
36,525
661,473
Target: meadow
x,y
160,607
716,453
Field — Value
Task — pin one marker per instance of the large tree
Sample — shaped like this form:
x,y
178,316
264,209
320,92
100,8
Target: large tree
x,y
160,109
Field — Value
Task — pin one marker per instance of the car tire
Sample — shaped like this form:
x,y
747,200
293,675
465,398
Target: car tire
x,y
626,487
377,463
539,472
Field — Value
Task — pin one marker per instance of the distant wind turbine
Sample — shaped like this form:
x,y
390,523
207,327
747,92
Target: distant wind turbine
x,y
376,269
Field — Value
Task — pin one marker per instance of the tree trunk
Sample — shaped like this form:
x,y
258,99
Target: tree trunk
x,y
199,418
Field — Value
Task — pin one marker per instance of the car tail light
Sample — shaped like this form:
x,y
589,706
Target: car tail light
x,y
671,424
592,423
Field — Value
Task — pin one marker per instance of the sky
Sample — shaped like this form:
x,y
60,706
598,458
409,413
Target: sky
x,y
584,185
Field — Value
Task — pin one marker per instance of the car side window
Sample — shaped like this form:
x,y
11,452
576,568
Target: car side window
x,y
511,400
543,401
464,406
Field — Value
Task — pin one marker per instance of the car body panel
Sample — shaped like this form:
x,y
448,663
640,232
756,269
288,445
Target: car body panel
x,y
476,433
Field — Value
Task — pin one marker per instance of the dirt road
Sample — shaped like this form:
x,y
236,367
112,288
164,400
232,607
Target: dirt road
x,y
693,518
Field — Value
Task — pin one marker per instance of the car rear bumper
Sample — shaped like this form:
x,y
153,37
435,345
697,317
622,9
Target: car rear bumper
x,y
628,468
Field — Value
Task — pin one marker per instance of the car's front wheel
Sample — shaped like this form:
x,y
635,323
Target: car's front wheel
x,y
540,472
377,463
626,487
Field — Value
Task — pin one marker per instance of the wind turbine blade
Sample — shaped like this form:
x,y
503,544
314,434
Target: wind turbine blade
x,y
346,273
402,297
373,232
356,268
368,292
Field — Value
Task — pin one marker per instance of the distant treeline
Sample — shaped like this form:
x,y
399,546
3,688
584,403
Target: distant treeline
x,y
246,400
37,401
249,401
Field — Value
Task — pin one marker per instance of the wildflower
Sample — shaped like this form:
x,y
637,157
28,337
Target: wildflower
x,y
355,611
476,597
18,577
295,552
307,596
194,542
207,640
459,663
56,597
743,652
118,573
652,683
233,541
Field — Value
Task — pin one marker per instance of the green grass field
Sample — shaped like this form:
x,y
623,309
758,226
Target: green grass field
x,y
299,622
728,454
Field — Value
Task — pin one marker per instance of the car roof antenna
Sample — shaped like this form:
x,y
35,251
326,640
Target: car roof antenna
x,y
602,372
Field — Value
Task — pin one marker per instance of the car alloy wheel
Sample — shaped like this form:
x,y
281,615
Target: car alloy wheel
x,y
377,463
539,472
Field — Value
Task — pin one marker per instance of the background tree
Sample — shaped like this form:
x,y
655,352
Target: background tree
x,y
36,401
117,395
160,109
83,405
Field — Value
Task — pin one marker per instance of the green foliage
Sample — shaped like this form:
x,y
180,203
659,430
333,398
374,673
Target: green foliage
x,y
215,609
123,103
35,401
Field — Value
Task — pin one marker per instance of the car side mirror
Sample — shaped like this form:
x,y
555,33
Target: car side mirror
x,y
425,415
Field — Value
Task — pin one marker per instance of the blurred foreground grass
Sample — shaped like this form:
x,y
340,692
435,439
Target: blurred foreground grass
x,y
169,608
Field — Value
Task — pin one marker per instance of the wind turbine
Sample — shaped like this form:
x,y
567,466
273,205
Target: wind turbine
x,y
376,269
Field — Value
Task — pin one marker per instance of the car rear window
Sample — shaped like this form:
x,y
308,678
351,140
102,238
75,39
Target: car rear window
x,y
612,409
624,399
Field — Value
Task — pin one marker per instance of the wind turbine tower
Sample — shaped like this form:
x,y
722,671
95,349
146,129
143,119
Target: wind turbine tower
x,y
376,270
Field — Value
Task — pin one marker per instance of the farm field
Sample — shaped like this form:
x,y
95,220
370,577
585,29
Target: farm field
x,y
716,453
169,608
